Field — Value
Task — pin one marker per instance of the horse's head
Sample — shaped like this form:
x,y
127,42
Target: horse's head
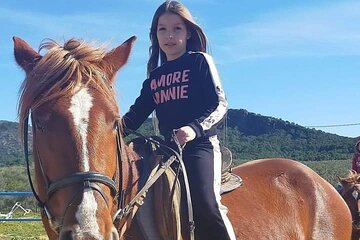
x,y
69,94
350,191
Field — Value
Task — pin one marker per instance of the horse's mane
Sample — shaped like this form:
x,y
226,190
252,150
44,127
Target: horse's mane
x,y
61,71
351,177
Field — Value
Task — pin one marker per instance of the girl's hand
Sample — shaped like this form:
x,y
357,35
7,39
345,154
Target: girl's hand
x,y
185,134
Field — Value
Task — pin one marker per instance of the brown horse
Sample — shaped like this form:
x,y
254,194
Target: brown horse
x,y
350,191
84,174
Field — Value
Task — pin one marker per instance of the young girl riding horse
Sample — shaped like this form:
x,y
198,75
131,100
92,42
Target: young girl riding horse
x,y
187,95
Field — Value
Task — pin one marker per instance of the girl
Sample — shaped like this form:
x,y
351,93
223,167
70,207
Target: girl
x,y
186,93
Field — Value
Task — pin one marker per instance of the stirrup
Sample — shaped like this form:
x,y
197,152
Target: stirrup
x,y
226,159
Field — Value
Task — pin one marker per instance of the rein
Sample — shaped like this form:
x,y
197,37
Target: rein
x,y
141,195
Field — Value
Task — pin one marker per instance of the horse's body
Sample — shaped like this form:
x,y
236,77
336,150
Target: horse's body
x,y
350,191
82,167
283,199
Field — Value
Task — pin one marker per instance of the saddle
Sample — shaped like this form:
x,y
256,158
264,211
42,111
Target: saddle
x,y
160,216
229,180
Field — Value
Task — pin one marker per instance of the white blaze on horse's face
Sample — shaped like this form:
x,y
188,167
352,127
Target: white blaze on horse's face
x,y
81,104
86,216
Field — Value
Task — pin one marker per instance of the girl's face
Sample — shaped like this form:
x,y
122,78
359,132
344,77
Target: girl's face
x,y
172,35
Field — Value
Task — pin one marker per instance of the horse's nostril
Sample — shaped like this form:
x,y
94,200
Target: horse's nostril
x,y
66,235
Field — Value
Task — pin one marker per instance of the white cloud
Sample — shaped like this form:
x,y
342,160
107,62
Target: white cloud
x,y
331,30
87,25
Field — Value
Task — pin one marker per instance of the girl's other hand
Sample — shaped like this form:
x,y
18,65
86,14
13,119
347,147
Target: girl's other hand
x,y
185,134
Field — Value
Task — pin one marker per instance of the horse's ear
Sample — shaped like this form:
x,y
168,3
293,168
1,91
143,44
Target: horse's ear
x,y
25,55
118,56
344,180
357,179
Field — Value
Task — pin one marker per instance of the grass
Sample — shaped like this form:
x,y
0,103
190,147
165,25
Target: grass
x,y
330,169
34,230
23,230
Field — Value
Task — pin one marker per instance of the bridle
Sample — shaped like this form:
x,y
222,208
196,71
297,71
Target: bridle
x,y
354,192
89,179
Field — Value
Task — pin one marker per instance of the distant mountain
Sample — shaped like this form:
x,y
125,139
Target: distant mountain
x,y
248,135
253,136
255,124
10,145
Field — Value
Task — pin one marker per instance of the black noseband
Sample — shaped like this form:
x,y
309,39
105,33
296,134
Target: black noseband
x,y
88,178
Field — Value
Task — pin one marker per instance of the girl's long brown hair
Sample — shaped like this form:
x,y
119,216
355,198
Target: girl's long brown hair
x,y
196,42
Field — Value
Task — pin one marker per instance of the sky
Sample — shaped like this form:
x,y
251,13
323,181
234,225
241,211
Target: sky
x,y
297,61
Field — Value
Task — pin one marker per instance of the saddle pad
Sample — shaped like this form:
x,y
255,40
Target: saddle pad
x,y
232,182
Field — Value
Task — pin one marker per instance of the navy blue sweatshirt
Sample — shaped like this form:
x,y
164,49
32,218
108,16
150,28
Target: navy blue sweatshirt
x,y
184,91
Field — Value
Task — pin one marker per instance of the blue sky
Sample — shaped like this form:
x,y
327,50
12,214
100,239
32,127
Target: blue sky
x,y
294,60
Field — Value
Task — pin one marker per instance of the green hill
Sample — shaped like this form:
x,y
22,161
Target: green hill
x,y
248,135
252,136
10,146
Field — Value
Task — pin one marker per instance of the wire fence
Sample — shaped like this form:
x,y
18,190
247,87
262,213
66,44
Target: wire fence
x,y
334,125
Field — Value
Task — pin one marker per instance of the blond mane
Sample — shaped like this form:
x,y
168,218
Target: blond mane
x,y
351,177
60,71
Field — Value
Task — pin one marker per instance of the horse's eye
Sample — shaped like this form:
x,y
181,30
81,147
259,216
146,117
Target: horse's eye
x,y
39,126
116,124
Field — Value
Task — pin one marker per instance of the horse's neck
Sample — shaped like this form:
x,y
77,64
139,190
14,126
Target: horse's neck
x,y
131,174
